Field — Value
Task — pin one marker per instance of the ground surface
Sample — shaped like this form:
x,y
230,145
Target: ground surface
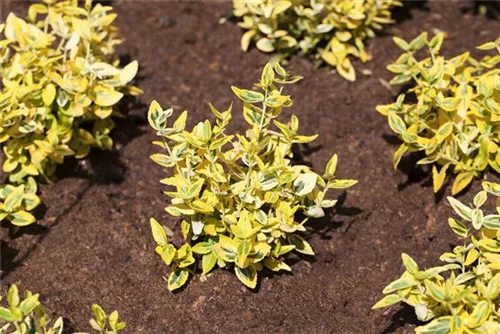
x,y
93,243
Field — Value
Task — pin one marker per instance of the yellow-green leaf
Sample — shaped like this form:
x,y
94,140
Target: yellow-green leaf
x,y
247,276
177,279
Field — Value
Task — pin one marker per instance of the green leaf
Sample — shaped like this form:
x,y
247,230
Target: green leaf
x,y
14,199
300,244
99,315
461,209
396,123
341,184
492,222
208,262
247,276
202,248
305,183
437,326
177,279
410,264
276,101
243,250
246,38
401,43
6,315
29,304
267,77
331,167
461,181
399,154
435,291
458,227
399,284
13,296
21,218
479,314
265,45
418,42
487,46
387,301
492,188
159,233
248,96
105,96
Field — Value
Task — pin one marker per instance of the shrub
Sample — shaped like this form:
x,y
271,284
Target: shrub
x,y
28,316
456,117
463,295
329,31
241,198
60,80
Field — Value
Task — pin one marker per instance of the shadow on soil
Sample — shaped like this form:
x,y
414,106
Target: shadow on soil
x,y
403,317
8,259
403,13
489,8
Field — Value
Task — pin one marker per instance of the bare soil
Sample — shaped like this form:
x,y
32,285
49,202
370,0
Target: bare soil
x,y
93,243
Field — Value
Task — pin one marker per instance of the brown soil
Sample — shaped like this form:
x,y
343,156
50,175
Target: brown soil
x,y
93,242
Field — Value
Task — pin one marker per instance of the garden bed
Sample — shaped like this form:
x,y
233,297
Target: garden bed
x,y
93,243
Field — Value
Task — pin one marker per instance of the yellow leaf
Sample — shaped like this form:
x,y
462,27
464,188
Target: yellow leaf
x,y
461,181
103,113
49,94
438,178
82,27
21,218
247,276
129,72
305,183
177,279
159,233
105,96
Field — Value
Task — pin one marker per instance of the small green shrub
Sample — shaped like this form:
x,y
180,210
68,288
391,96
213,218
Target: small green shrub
x,y
462,296
239,194
456,117
27,316
329,31
60,81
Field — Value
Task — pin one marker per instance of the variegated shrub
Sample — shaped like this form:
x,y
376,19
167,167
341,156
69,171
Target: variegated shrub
x,y
462,296
456,117
60,81
27,316
329,31
241,199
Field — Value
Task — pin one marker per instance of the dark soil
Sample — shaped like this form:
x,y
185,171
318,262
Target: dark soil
x,y
93,242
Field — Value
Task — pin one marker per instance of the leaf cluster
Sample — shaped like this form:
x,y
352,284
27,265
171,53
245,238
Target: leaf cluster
x,y
329,31
462,296
241,199
26,315
456,117
60,81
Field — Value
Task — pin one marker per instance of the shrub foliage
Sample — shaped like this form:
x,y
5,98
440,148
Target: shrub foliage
x,y
455,118
241,198
26,315
461,296
329,31
60,81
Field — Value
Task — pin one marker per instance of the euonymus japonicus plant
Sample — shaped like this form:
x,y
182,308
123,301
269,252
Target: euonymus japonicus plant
x,y
60,81
462,296
26,315
455,118
242,201
329,31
